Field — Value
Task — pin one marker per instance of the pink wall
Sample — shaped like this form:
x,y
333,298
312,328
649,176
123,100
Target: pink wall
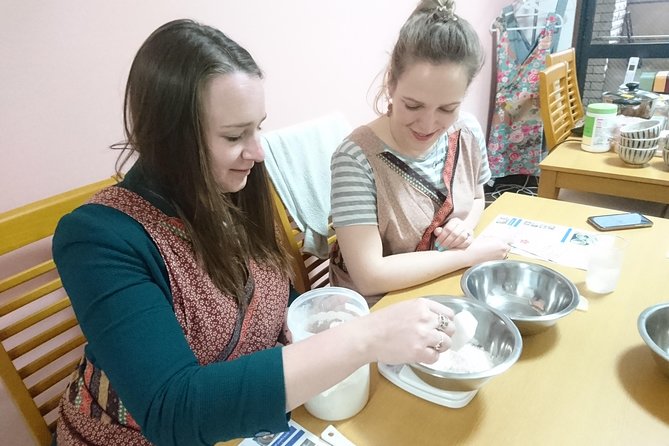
x,y
63,68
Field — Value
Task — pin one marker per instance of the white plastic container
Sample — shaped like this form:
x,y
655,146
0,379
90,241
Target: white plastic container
x,y
597,127
316,311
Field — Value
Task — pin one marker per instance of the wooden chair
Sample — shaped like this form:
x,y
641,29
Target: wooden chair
x,y
39,334
554,102
569,57
310,271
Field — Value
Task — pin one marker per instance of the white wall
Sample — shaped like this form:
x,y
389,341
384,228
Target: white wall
x,y
568,18
63,66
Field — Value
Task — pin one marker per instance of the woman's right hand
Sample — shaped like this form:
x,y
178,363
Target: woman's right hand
x,y
408,332
487,248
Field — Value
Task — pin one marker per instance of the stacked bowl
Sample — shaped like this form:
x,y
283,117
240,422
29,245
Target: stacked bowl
x,y
639,142
664,145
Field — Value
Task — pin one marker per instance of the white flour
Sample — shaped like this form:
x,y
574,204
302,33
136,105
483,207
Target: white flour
x,y
342,400
345,399
327,319
465,329
469,359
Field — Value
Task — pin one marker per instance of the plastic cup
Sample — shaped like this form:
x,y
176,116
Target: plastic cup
x,y
605,263
316,311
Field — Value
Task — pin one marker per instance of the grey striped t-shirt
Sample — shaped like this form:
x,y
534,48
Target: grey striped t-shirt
x,y
353,193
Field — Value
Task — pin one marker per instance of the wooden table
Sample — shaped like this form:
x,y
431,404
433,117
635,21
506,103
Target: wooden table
x,y
569,167
589,380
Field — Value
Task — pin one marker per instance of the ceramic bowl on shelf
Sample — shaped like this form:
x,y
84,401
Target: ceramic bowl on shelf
x,y
634,156
496,337
653,325
534,296
641,130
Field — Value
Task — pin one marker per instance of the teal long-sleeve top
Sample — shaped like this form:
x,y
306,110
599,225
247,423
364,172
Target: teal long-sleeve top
x,y
119,288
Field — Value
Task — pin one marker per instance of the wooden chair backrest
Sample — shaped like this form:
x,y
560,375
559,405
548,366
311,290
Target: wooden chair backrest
x,y
569,57
40,339
309,271
554,103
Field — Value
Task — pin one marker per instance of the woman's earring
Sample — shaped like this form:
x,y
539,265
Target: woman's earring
x,y
390,109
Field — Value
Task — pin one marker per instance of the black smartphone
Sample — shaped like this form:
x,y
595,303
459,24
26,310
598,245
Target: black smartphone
x,y
613,222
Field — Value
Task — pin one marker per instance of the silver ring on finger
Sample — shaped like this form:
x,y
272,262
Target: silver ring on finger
x,y
443,322
441,341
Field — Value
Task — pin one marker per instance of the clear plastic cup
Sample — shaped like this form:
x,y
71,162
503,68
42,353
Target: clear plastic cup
x,y
605,263
316,311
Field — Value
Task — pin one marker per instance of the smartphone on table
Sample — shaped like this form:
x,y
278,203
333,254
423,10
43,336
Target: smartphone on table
x,y
614,222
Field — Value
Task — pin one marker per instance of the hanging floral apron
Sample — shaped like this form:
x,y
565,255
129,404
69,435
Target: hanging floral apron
x,y
515,142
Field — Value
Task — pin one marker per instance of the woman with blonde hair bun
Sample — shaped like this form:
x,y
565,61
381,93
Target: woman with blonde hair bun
x,y
407,188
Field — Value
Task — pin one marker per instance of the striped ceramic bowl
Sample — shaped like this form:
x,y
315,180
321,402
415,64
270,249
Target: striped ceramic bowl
x,y
641,130
640,143
635,156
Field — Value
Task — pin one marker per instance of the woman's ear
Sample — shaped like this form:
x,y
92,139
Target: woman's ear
x,y
392,86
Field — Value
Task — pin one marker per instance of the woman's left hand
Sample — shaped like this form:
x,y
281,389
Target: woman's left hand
x,y
455,234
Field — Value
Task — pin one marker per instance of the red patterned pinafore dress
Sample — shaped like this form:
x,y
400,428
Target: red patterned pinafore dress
x,y
90,410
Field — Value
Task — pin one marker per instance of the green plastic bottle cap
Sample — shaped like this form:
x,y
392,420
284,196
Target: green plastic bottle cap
x,y
602,109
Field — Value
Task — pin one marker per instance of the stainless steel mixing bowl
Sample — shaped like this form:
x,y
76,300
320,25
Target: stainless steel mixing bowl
x,y
653,325
495,333
532,295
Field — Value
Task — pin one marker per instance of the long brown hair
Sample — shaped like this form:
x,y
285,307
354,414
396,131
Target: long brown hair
x,y
163,118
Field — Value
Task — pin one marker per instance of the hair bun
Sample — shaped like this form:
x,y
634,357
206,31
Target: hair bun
x,y
445,10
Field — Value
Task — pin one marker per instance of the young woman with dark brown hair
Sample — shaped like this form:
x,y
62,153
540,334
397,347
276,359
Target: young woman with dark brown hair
x,y
178,281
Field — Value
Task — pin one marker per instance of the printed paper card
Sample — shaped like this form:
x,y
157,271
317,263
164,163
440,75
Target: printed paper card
x,y
546,241
296,435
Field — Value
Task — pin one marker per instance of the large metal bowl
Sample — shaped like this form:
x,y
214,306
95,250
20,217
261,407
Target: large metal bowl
x,y
495,333
532,295
653,324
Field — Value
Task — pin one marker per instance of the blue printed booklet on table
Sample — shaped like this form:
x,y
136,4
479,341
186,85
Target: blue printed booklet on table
x,y
295,436
543,240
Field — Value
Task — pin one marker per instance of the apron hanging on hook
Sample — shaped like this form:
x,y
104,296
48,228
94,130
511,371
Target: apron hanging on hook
x,y
529,9
515,140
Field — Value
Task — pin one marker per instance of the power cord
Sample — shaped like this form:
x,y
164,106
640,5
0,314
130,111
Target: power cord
x,y
524,189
